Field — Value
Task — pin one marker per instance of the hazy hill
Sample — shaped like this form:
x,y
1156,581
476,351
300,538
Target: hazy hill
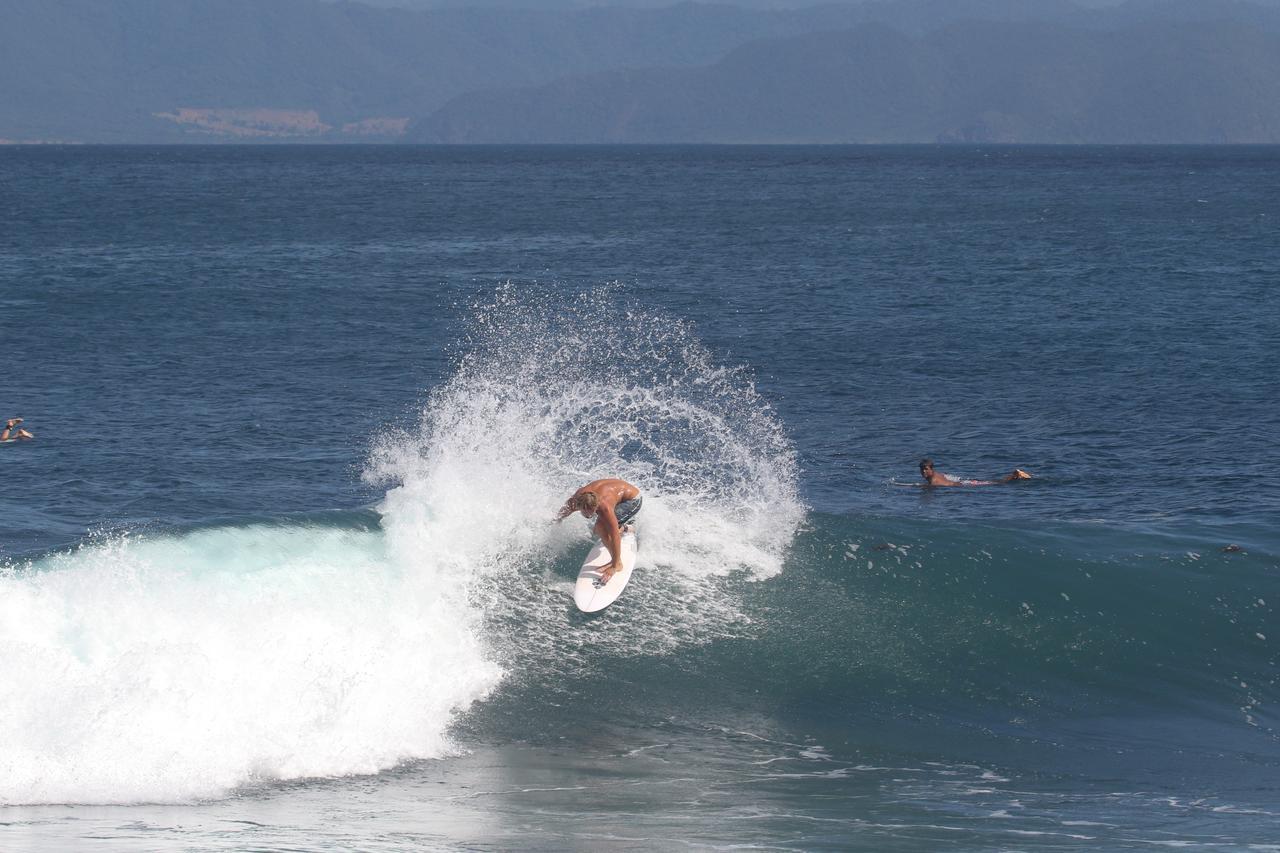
x,y
261,70
1012,82
306,70
100,70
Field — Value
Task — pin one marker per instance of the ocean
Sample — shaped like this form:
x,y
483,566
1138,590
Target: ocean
x,y
278,571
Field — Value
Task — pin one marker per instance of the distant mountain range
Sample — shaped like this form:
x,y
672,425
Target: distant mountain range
x,y
894,71
972,82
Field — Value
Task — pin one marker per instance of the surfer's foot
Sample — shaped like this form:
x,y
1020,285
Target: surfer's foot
x,y
22,433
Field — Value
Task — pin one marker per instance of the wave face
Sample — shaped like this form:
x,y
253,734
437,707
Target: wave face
x,y
884,637
1040,622
169,667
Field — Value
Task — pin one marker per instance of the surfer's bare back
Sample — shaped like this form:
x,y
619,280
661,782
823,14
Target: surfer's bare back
x,y
937,478
613,502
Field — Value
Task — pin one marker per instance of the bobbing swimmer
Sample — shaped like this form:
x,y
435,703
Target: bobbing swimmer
x,y
937,478
9,435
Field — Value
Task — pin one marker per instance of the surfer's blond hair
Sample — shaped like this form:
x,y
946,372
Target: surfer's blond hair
x,y
588,500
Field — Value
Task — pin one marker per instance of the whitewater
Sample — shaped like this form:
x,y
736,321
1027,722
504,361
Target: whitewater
x,y
183,665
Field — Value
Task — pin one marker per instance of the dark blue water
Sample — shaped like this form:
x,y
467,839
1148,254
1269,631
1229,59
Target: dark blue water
x,y
278,552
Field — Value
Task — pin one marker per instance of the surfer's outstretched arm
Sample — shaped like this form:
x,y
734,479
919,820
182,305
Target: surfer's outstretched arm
x,y
1018,474
569,508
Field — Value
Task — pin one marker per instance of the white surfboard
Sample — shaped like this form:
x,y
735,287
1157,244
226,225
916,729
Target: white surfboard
x,y
588,593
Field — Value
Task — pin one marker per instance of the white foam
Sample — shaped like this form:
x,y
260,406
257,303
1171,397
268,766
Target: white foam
x,y
176,668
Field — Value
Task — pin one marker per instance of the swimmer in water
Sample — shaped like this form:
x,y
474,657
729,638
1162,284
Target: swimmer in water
x,y
8,434
937,478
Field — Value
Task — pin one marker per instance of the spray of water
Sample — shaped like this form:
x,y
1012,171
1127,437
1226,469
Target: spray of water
x,y
552,391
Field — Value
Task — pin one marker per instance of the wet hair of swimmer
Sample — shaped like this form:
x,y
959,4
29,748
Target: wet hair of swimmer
x,y
926,463
588,500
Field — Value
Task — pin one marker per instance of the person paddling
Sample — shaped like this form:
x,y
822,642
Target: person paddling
x,y
937,478
8,433
613,503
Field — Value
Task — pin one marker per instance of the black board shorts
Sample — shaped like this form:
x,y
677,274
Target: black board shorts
x,y
626,510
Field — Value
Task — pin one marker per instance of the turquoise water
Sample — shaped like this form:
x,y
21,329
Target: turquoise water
x,y
278,572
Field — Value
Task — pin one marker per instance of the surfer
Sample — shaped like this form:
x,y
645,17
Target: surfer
x,y
8,434
613,502
937,478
